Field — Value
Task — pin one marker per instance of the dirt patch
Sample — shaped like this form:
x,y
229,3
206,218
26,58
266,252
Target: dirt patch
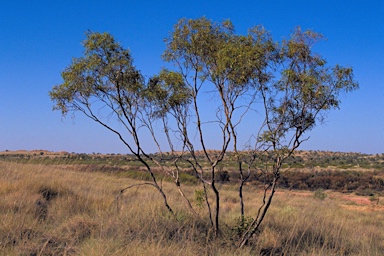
x,y
357,200
295,193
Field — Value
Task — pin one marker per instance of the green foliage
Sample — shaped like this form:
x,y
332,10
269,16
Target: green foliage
x,y
106,73
188,179
166,92
319,194
230,62
199,197
306,89
242,225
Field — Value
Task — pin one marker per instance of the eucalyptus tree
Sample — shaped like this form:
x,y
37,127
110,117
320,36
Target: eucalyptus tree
x,y
277,90
104,84
211,57
304,90
293,84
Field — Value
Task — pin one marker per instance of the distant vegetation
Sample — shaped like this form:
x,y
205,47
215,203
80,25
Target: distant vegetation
x,y
301,160
307,170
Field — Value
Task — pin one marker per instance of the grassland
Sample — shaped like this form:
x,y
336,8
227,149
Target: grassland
x,y
52,208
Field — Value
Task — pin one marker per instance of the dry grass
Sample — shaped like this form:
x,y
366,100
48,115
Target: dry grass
x,y
46,210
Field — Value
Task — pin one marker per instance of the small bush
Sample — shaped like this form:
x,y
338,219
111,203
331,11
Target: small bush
x,y
199,198
242,225
319,194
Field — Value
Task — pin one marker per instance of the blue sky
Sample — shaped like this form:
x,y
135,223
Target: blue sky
x,y
38,39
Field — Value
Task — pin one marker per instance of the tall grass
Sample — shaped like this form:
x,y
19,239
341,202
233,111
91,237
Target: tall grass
x,y
54,210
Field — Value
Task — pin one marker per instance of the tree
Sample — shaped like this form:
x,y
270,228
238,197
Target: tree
x,y
105,78
294,103
293,84
211,55
283,85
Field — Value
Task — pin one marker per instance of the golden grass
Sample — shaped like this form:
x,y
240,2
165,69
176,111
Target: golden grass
x,y
48,210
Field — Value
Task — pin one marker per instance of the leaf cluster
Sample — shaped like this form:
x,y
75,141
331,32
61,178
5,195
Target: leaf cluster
x,y
105,72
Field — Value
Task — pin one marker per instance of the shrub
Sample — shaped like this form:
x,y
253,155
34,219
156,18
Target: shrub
x,y
319,194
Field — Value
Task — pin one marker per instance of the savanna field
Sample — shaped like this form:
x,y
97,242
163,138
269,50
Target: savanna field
x,y
72,205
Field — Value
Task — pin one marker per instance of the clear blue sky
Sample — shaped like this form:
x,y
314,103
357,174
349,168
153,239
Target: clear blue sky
x,y
39,38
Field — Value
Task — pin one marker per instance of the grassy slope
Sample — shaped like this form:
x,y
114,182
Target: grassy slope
x,y
50,210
